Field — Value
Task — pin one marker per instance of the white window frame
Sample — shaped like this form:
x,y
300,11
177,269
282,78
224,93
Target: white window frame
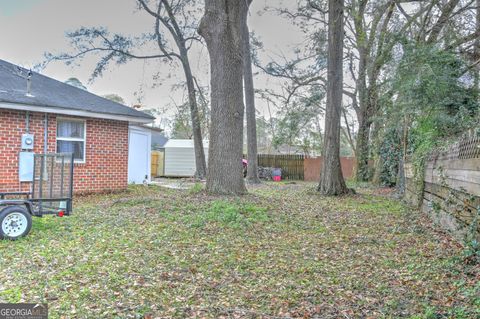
x,y
73,139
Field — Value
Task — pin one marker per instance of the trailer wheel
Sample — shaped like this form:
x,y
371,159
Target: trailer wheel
x,y
15,222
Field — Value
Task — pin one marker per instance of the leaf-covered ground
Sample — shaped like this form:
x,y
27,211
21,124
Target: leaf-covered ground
x,y
280,252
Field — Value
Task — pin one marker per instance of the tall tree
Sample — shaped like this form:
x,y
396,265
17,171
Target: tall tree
x,y
331,178
252,169
76,83
181,124
169,20
221,27
173,20
476,50
114,97
369,39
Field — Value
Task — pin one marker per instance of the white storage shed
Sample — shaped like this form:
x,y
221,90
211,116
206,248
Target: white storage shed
x,y
180,158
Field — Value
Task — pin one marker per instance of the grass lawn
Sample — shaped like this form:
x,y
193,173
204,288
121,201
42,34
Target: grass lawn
x,y
280,252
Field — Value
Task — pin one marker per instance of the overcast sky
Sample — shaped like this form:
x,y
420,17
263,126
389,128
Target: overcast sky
x,y
29,28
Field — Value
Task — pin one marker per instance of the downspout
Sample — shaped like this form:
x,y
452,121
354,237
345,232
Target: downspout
x,y
27,130
45,135
27,122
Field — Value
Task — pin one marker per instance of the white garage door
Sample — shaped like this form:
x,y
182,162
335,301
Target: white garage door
x,y
139,156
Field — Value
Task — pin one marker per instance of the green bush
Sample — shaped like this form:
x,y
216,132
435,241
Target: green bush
x,y
433,91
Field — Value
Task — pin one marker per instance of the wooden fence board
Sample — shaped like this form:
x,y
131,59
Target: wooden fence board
x,y
472,164
466,199
292,165
157,162
457,184
154,164
446,220
313,167
454,207
454,174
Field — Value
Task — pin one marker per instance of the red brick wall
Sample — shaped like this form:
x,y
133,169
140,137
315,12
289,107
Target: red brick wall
x,y
106,165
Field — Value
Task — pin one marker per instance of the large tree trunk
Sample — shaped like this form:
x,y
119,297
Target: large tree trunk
x,y
363,139
221,27
200,164
331,179
476,50
401,183
377,138
252,169
371,60
368,109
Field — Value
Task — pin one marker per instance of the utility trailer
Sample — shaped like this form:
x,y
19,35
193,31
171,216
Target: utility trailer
x,y
51,194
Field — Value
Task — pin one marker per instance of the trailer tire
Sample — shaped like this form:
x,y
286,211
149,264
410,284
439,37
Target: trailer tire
x,y
15,222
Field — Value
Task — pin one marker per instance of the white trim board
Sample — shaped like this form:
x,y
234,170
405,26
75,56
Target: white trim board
x,y
58,110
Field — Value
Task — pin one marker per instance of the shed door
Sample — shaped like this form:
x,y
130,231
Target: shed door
x,y
138,157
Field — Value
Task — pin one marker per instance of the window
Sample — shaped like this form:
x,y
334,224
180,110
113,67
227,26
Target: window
x,y
71,138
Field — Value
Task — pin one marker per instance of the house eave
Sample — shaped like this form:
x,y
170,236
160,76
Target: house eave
x,y
72,112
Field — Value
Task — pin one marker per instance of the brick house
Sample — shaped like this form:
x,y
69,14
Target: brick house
x,y
62,118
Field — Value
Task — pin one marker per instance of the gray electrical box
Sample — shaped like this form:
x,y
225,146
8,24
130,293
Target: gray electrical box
x,y
27,142
25,166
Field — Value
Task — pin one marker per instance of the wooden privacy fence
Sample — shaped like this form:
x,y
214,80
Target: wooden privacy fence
x,y
450,188
300,167
291,165
157,163
294,167
313,166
